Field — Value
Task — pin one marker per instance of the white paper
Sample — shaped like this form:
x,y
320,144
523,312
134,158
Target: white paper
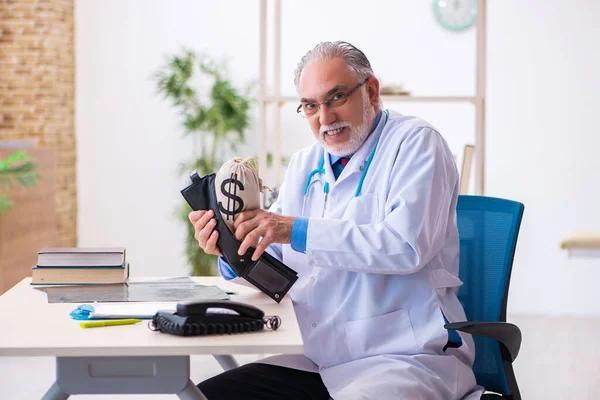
x,y
130,310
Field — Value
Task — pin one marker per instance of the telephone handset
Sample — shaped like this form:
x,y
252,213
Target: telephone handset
x,y
191,308
198,318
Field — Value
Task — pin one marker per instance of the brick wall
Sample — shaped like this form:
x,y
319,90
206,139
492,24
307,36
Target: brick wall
x,y
37,89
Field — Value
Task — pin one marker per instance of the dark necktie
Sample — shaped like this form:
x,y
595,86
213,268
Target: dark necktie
x,y
339,165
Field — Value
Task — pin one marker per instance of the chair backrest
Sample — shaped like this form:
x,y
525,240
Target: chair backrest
x,y
488,229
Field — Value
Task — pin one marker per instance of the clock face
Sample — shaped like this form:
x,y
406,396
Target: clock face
x,y
455,15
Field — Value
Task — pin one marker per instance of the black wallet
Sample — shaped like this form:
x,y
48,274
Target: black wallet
x,y
268,274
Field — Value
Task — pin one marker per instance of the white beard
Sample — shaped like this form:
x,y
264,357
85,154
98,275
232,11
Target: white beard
x,y
358,134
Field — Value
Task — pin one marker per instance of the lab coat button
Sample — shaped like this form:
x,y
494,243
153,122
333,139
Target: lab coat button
x,y
312,280
314,325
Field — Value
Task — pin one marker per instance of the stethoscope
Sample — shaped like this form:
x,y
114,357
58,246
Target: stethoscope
x,y
321,170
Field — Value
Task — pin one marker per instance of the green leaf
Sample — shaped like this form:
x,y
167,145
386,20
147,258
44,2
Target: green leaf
x,y
284,160
19,167
5,204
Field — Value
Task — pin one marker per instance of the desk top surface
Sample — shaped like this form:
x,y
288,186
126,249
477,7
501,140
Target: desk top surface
x,y
31,326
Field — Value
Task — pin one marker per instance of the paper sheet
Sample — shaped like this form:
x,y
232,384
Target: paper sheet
x,y
162,290
130,310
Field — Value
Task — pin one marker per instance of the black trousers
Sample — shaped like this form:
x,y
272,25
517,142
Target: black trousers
x,y
257,381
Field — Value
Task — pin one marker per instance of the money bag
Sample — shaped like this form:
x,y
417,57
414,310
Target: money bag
x,y
238,188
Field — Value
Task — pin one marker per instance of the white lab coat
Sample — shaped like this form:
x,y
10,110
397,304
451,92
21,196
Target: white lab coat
x,y
380,269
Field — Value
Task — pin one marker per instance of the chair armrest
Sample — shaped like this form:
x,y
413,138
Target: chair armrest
x,y
509,335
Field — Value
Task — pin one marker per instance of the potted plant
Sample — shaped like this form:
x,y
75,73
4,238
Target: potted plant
x,y
217,115
18,167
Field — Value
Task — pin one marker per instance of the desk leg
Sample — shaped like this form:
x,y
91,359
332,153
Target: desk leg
x,y
54,393
226,362
191,392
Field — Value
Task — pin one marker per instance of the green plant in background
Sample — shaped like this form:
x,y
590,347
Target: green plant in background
x,y
216,116
19,167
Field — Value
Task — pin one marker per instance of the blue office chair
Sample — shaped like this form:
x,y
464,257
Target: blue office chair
x,y
488,228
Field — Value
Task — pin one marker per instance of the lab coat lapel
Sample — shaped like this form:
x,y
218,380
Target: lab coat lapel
x,y
329,176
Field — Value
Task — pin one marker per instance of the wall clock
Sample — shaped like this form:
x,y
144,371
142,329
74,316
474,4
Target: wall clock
x,y
455,15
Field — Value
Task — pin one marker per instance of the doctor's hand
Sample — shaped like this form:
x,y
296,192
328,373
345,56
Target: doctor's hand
x,y
205,233
251,226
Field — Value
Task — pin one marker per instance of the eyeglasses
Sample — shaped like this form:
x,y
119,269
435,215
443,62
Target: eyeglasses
x,y
335,100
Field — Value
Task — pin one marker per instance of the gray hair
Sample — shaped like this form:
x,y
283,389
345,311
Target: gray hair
x,y
357,62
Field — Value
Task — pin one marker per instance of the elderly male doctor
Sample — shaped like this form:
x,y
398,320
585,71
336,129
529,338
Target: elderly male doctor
x,y
367,217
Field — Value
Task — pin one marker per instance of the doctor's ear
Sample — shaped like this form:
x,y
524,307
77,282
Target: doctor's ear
x,y
373,91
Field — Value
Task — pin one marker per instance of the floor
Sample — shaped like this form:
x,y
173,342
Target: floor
x,y
559,359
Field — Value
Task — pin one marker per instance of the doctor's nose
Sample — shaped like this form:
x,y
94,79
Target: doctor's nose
x,y
326,115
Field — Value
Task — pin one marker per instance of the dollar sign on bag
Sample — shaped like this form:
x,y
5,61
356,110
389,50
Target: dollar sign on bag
x,y
227,192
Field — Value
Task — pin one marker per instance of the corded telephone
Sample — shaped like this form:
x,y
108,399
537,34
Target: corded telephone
x,y
198,318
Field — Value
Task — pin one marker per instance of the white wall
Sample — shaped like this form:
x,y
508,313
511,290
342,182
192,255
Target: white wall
x,y
541,86
129,140
543,143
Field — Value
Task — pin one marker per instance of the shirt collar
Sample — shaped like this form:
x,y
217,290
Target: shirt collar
x,y
333,159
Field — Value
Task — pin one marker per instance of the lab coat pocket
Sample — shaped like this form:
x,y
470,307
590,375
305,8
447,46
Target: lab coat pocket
x,y
363,209
390,333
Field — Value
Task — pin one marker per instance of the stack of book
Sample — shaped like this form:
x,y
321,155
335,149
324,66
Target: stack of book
x,y
80,266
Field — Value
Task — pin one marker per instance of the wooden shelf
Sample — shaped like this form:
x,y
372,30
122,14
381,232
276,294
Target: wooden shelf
x,y
588,241
276,98
387,97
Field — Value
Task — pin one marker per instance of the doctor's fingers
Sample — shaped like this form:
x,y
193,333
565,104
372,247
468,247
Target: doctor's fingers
x,y
202,221
196,216
202,234
261,247
251,239
244,216
211,244
244,228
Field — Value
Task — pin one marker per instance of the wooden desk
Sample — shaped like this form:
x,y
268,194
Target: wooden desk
x,y
130,359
